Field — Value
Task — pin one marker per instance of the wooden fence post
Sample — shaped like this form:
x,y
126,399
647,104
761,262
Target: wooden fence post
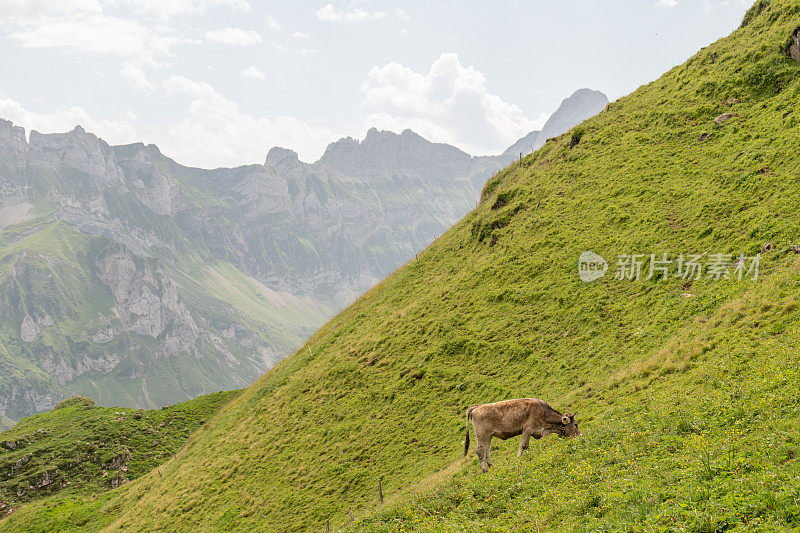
x,y
327,526
380,489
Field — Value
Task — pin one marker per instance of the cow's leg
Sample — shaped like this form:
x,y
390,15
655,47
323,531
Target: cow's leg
x,y
523,443
481,451
484,443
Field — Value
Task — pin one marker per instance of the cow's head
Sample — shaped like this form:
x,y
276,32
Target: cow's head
x,y
569,428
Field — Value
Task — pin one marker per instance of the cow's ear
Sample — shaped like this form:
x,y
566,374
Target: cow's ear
x,y
565,420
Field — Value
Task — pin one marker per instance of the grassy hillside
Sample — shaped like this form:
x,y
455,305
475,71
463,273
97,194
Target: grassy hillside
x,y
686,389
79,449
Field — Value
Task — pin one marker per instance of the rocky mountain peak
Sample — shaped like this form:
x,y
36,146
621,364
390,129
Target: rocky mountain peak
x,y
139,151
281,156
583,104
77,149
586,97
285,163
78,135
12,147
376,135
9,133
383,153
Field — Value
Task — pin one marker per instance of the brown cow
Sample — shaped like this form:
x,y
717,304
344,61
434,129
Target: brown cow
x,y
525,416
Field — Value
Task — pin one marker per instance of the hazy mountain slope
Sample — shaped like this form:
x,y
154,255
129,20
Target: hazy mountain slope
x,y
583,104
138,281
525,145
495,309
85,314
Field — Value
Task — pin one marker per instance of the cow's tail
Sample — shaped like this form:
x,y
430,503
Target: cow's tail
x,y
469,417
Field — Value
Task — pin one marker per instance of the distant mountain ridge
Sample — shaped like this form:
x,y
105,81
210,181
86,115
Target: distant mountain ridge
x,y
386,152
135,280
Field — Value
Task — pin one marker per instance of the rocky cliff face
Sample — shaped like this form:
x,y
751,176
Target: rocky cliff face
x,y
105,318
80,151
146,300
142,282
13,147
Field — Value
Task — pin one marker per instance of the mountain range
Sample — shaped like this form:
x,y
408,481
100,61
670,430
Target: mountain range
x,y
138,281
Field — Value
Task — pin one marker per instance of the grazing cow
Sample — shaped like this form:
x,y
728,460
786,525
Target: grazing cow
x,y
525,416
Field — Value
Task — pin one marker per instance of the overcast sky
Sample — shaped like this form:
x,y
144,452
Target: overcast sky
x,y
218,82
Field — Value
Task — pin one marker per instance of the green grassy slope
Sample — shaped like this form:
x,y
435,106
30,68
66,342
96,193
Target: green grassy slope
x,y
78,449
686,390
702,436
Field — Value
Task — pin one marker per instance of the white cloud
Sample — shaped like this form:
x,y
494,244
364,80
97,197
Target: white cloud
x,y
135,29
253,72
290,50
234,36
117,129
329,13
134,76
166,9
29,11
217,133
707,5
83,26
300,35
666,4
273,24
99,34
448,104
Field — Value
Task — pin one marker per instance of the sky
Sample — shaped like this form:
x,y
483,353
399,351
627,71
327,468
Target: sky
x,y
218,82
